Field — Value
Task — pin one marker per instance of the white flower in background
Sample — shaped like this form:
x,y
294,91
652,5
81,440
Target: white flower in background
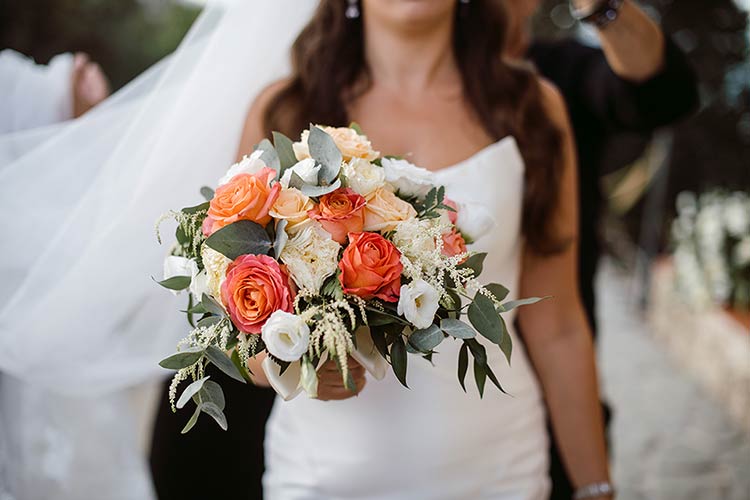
x,y
474,221
742,252
418,303
179,266
407,178
215,265
363,177
737,215
248,165
311,256
286,336
306,169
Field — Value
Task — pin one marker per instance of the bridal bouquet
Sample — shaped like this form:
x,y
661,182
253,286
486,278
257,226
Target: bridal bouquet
x,y
322,249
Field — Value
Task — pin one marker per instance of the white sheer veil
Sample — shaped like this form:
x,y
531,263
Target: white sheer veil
x,y
80,318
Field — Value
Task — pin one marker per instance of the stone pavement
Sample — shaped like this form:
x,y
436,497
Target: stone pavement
x,y
670,440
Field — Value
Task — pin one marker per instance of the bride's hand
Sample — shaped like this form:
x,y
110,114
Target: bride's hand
x,y
331,386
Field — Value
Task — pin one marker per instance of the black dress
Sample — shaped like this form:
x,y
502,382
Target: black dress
x,y
600,104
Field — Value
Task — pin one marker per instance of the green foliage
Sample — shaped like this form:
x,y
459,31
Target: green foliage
x,y
398,359
485,319
240,238
285,151
269,156
223,362
176,283
182,359
325,152
427,339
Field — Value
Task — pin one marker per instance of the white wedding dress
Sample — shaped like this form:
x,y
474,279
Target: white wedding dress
x,y
432,441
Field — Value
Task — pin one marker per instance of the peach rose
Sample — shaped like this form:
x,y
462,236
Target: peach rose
x,y
245,197
452,216
384,210
371,267
292,206
453,243
349,142
255,287
340,212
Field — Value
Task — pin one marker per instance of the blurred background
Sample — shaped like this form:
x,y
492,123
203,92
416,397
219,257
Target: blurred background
x,y
674,290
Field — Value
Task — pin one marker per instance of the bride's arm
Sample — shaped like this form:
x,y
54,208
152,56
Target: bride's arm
x,y
556,331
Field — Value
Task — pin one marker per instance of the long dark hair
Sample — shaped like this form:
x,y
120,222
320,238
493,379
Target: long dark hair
x,y
505,97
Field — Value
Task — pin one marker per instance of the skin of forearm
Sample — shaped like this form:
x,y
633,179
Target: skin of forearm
x,y
566,370
633,44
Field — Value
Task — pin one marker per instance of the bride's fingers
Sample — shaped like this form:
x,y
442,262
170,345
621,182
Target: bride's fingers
x,y
331,393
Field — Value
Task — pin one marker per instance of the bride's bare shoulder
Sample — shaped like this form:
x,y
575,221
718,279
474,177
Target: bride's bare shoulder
x,y
253,132
553,103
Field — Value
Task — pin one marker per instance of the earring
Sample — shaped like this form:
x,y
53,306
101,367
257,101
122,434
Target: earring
x,y
465,2
352,10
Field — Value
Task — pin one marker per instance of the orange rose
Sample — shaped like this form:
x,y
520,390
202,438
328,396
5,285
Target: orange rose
x,y
245,197
453,243
371,267
340,212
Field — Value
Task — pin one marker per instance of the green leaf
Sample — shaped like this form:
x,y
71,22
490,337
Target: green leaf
x,y
512,304
426,339
241,367
240,238
197,208
493,378
211,392
176,282
456,328
210,321
209,305
506,344
317,191
324,151
498,290
196,309
485,319
398,359
284,149
223,363
475,262
190,391
207,193
269,156
379,319
378,338
430,197
192,421
463,365
182,359
480,376
215,412
281,238
309,377
440,196
296,181
355,126
349,380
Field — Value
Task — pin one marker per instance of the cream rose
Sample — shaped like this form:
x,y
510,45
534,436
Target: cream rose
x,y
248,165
349,142
306,169
292,206
384,210
215,265
418,303
286,336
310,257
407,178
363,176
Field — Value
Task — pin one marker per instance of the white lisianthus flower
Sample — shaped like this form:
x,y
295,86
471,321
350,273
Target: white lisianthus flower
x,y
418,303
407,178
248,165
307,169
474,221
215,265
286,336
311,256
737,215
363,176
742,252
179,266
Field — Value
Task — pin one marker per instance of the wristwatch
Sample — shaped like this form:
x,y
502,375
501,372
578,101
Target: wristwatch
x,y
600,15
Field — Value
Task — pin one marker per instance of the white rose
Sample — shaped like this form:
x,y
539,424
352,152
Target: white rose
x,y
418,303
737,216
363,176
248,165
307,169
286,336
474,221
406,178
179,266
311,256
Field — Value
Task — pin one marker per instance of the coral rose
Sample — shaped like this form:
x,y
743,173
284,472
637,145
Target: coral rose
x,y
384,210
453,243
292,206
340,212
371,267
255,287
244,197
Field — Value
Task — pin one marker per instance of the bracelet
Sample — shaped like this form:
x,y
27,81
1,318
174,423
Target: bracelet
x,y
594,490
601,15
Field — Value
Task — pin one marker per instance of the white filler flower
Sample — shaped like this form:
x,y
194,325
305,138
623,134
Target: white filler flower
x,y
248,165
419,303
286,336
407,178
307,169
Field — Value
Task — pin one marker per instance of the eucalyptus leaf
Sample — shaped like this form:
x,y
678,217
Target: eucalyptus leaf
x,y
281,238
493,378
269,156
475,262
296,181
398,360
207,193
324,151
182,359
176,282
498,290
308,377
190,391
223,363
285,150
210,321
463,365
457,328
240,238
192,421
211,391
215,412
425,340
317,191
480,376
512,304
506,344
485,319
209,305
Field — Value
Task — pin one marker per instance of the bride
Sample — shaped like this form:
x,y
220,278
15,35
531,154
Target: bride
x,y
424,79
